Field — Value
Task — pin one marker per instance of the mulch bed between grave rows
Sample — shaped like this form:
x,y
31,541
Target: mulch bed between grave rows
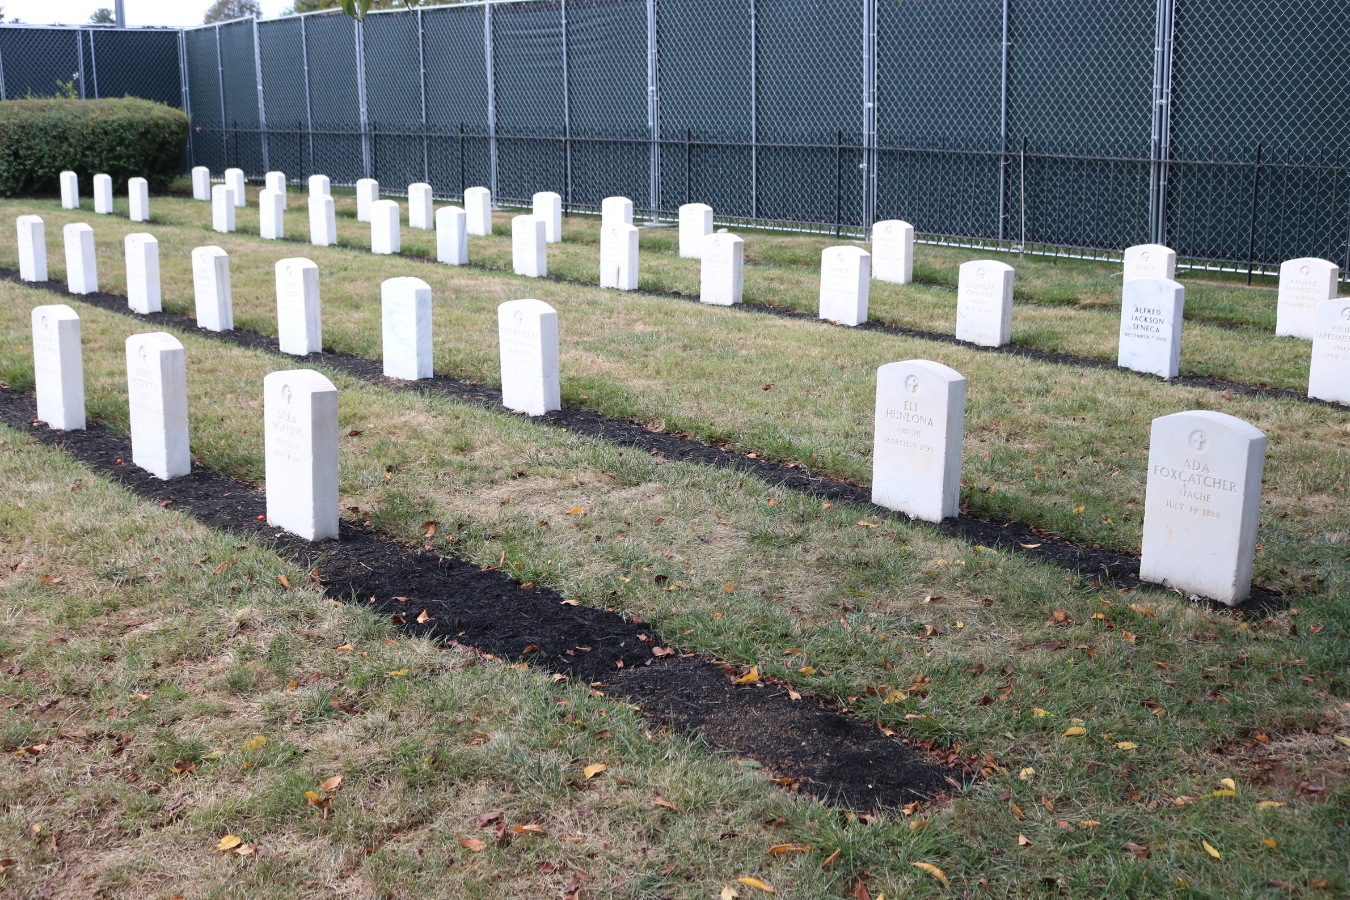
x,y
821,751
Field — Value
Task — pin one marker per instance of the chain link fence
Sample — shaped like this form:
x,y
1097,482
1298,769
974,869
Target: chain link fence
x,y
1216,126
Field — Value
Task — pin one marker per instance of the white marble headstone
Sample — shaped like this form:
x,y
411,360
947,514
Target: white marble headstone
x,y
81,264
211,289
70,190
1304,285
367,192
300,412
893,251
420,206
319,186
1150,261
722,268
1202,503
322,221
619,256
138,199
276,181
405,318
384,227
272,214
615,211
32,248
234,178
103,194
452,236
299,325
528,334
547,207
919,427
1329,373
984,303
1150,326
696,223
201,183
157,401
142,252
58,370
529,249
222,208
845,282
478,209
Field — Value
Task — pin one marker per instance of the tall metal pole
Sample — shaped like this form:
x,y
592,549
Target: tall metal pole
x,y
93,63
79,56
262,105
653,112
183,85
1003,130
754,118
567,118
3,95
119,14
360,35
1165,120
1256,196
492,101
309,118
220,81
869,154
422,81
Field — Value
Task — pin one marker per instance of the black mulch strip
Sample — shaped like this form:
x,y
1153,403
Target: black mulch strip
x,y
824,752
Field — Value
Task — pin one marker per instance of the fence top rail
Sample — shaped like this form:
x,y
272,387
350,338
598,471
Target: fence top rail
x,y
374,12
24,26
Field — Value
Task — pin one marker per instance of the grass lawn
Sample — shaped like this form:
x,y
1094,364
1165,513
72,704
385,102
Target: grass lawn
x,y
995,653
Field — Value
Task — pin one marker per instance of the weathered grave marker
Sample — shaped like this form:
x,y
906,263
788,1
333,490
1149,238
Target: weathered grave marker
x,y
845,279
319,186
529,249
919,428
1304,285
58,370
619,256
1150,326
142,255
234,178
547,207
452,236
322,221
405,317
384,227
300,412
616,211
276,181
138,199
222,208
367,193
722,269
272,214
1150,261
81,263
696,223
32,248
527,331
984,303
478,210
157,402
893,251
420,206
299,325
201,183
1329,372
211,289
103,195
70,190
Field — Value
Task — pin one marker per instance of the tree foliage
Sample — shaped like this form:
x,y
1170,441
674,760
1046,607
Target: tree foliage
x,y
103,16
225,10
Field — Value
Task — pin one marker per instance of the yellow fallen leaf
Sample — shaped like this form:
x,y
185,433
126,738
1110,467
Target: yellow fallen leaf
x,y
575,511
895,697
931,870
1098,615
1089,823
1126,745
1209,848
757,885
397,673
780,849
1075,731
1224,793
256,744
1228,783
1269,804
312,798
1026,773
1142,610
229,842
1040,713
285,582
473,845
1343,739
749,677
1016,810
1078,510
807,670
729,893
1269,843
343,649
1023,841
331,784
594,769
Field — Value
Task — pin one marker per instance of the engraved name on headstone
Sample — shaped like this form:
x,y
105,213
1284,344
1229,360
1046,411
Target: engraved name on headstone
x,y
1304,285
300,450
527,332
299,325
1150,326
845,280
984,303
696,223
919,427
1150,261
157,402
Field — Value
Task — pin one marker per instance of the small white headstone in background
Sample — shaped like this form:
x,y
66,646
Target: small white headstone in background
x,y
405,316
299,326
919,428
478,210
276,181
1150,326
529,250
548,209
322,221
300,413
845,280
201,183
211,289
527,331
103,195
984,303
142,252
384,227
616,211
157,401
1304,285
696,223
1150,261
1202,503
272,214
893,251
619,256
420,206
722,269
318,186
1329,373
138,199
70,190
367,193
234,178
452,236
32,248
58,370
222,208
81,264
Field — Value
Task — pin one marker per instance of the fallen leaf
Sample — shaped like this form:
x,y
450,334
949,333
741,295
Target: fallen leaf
x,y
1040,713
1026,773
757,885
312,798
658,800
1075,731
397,673
731,586
807,670
229,842
1269,804
749,677
1126,745
594,769
424,617
256,743
528,829
932,870
1269,843
220,568
1023,841
728,893
1138,850
1318,885
343,649
1016,811
244,850
139,697
1209,848
1142,610
331,784
285,582
575,511
1223,793
780,849
1089,823
830,860
473,845
1343,739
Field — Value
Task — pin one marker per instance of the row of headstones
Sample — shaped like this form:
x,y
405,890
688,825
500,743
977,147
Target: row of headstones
x,y
138,195
1201,506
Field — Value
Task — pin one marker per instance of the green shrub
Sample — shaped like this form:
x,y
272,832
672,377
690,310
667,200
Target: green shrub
x,y
39,139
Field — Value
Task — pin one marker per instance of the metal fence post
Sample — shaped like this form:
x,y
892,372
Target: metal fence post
x,y
184,85
93,64
309,119
422,81
1251,228
262,105
79,55
220,79
1165,145
869,154
754,117
567,118
360,36
1003,131
492,102
653,112
1159,148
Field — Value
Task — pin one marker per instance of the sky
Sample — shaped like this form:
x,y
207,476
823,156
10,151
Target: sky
x,y
138,12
